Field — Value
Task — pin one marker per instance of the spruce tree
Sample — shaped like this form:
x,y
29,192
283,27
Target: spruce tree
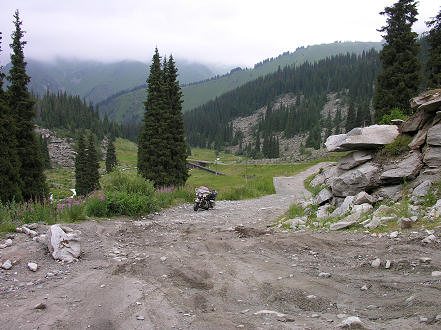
x,y
153,151
400,78
111,160
81,180
22,107
45,152
10,182
178,168
433,66
93,166
351,118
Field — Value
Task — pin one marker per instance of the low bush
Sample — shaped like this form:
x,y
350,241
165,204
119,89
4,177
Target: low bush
x,y
394,114
396,148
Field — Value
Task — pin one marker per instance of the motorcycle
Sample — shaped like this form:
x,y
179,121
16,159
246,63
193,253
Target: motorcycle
x,y
205,198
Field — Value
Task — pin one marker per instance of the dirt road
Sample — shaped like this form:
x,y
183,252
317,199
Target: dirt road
x,y
192,270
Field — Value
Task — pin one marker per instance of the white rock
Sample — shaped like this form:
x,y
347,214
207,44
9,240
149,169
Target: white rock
x,y
8,242
322,212
362,209
7,265
393,234
364,288
29,232
425,260
376,263
163,258
32,266
436,273
422,189
363,197
265,311
344,207
326,275
323,196
388,263
429,239
63,246
352,321
140,318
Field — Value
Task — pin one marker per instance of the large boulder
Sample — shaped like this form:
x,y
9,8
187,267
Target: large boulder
x,y
354,159
434,135
355,180
344,207
366,138
406,168
390,192
63,245
363,197
429,101
420,137
415,122
323,196
432,156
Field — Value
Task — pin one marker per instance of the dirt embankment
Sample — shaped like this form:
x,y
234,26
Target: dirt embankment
x,y
192,270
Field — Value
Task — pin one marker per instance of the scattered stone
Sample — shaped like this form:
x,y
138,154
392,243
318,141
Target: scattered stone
x,y
362,198
325,275
422,189
425,260
322,212
362,209
384,210
344,207
352,322
387,265
376,263
311,296
265,311
406,223
32,266
140,318
40,306
393,193
323,196
63,246
314,316
341,225
423,319
436,273
163,258
429,239
393,234
28,231
7,264
364,288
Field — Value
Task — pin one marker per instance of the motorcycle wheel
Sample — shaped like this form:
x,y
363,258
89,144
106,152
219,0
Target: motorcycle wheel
x,y
195,207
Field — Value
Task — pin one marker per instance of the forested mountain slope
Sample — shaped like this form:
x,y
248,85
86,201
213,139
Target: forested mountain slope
x,y
350,75
96,81
128,106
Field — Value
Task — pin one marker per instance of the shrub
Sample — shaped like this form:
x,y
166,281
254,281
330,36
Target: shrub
x,y
123,203
131,183
394,114
96,206
399,146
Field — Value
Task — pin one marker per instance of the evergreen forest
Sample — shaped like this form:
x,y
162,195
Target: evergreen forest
x,y
209,126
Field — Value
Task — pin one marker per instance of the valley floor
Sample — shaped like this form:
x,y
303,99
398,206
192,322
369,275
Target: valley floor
x,y
199,270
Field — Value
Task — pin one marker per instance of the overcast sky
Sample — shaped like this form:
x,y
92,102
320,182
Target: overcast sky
x,y
233,32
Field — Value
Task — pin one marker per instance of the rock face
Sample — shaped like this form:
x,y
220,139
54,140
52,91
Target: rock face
x,y
60,150
354,159
366,138
432,156
355,180
434,136
63,246
428,102
323,196
407,168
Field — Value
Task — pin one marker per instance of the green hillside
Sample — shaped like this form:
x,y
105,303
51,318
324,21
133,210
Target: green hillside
x,y
129,106
96,81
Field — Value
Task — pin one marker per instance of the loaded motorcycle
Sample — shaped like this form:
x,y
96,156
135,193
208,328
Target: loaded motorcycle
x,y
205,198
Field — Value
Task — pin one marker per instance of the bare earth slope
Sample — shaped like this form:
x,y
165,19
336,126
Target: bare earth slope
x,y
192,270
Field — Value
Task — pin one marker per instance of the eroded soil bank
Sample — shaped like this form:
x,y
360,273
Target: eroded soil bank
x,y
192,270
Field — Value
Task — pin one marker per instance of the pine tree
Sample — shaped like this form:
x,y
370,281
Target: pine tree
x,y
153,151
351,118
400,78
434,62
178,146
111,160
22,106
10,181
81,183
93,166
45,152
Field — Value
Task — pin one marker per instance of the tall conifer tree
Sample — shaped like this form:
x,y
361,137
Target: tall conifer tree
x,y
434,61
93,166
10,182
22,106
111,160
178,170
400,78
81,181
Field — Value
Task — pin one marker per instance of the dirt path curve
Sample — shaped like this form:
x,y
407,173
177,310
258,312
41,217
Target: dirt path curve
x,y
191,270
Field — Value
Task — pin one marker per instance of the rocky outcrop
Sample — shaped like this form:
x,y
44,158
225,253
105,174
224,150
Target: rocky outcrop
x,y
354,159
60,150
353,181
366,138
